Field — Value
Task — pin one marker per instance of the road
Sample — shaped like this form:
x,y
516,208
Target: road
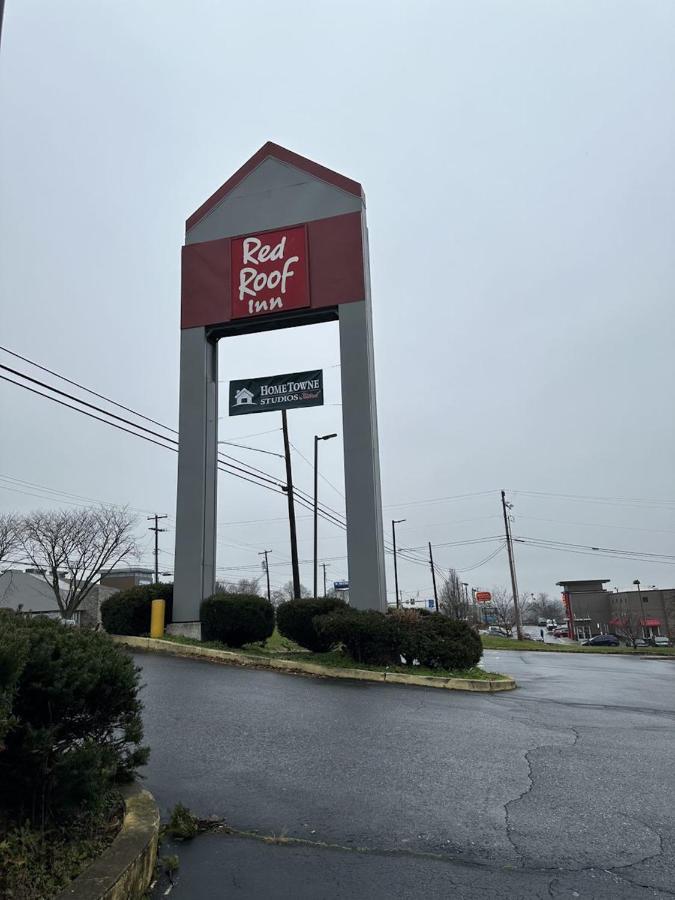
x,y
563,788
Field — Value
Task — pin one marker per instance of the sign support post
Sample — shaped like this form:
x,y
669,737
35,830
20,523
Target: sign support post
x,y
282,243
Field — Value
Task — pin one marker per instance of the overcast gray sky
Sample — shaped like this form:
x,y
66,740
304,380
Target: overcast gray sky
x,y
517,159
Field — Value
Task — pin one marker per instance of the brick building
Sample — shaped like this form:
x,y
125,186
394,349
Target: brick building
x,y
593,609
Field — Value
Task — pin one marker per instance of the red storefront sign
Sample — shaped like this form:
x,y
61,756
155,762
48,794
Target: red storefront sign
x,y
483,596
269,272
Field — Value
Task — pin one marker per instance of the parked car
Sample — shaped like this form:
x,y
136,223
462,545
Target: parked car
x,y
639,642
496,631
659,642
602,640
551,624
561,632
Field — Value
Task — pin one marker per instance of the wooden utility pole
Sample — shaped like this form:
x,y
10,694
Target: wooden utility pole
x,y
433,575
291,508
324,566
267,572
512,567
157,530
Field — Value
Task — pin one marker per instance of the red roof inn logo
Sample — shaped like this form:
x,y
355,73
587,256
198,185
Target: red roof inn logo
x,y
269,272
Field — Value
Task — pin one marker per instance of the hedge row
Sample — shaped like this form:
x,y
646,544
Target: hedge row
x,y
318,625
434,641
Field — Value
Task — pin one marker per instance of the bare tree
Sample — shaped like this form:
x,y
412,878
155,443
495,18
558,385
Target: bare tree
x,y
502,609
453,600
286,593
543,607
243,586
9,535
82,543
629,623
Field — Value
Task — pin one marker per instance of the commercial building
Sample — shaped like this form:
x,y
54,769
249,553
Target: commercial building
x,y
127,577
593,609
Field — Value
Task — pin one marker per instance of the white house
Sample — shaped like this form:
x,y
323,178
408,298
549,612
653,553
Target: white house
x,y
243,397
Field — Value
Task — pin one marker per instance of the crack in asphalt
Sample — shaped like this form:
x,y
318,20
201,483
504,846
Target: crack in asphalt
x,y
220,827
530,785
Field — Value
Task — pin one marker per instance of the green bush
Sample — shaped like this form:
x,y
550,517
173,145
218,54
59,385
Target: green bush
x,y
128,612
295,620
74,725
442,643
13,652
433,641
367,636
236,619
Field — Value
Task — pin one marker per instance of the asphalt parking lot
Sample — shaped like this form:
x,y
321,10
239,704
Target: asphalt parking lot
x,y
563,788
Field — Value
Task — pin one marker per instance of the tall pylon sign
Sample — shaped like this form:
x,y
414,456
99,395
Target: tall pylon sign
x,y
282,243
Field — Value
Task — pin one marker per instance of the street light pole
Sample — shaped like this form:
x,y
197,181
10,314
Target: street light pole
x,y
637,584
394,523
317,438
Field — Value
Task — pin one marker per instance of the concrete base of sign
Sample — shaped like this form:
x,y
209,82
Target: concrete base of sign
x,y
185,629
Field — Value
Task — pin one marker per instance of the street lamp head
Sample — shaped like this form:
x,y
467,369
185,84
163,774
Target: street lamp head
x,y
398,521
326,437
637,581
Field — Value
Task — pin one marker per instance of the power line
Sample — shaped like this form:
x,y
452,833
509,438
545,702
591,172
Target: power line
x,y
83,388
590,547
631,501
323,477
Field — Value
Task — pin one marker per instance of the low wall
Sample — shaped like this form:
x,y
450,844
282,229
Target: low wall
x,y
294,667
125,869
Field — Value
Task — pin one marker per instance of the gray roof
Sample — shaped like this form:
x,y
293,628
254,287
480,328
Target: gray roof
x,y
24,589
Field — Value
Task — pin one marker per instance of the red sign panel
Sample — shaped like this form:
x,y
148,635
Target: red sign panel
x,y
269,272
483,596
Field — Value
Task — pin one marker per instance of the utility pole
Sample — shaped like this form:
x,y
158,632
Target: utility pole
x,y
267,572
394,523
324,566
433,575
291,507
512,567
157,530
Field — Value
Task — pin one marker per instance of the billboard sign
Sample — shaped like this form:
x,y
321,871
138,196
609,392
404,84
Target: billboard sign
x,y
269,272
483,596
276,392
340,585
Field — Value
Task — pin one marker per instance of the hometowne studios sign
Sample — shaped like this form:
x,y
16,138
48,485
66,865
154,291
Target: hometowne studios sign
x,y
282,243
255,395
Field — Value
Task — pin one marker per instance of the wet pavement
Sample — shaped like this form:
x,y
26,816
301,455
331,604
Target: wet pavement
x,y
563,788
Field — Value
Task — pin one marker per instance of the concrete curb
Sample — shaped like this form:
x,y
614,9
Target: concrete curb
x,y
295,667
125,869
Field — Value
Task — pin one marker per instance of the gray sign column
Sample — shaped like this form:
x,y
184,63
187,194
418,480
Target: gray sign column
x,y
362,459
195,561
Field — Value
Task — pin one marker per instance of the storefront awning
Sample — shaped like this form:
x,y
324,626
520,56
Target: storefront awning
x,y
648,623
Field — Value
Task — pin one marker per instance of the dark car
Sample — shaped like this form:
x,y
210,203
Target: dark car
x,y
602,640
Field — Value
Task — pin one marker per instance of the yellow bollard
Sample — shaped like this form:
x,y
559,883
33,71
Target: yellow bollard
x,y
157,619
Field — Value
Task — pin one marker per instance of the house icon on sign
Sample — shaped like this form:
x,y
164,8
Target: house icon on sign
x,y
243,397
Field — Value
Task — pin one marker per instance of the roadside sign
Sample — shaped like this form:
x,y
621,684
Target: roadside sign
x,y
340,585
276,392
431,603
483,596
269,272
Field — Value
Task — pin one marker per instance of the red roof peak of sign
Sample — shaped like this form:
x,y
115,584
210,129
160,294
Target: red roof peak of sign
x,y
271,149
